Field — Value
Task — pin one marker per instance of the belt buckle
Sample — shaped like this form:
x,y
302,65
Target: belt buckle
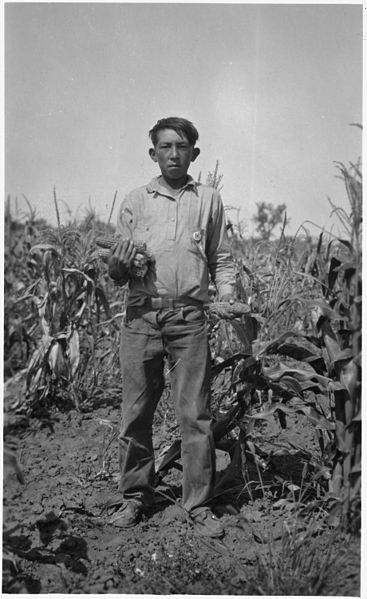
x,y
163,302
156,303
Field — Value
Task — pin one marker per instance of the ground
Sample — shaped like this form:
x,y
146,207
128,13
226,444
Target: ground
x,y
57,536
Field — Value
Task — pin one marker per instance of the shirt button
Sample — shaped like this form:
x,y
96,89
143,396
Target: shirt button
x,y
173,220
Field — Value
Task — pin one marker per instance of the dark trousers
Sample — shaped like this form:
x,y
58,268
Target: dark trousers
x,y
181,334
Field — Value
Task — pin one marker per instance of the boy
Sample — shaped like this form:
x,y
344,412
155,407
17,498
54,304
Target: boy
x,y
183,225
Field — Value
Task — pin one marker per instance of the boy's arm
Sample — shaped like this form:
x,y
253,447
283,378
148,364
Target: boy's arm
x,y
218,251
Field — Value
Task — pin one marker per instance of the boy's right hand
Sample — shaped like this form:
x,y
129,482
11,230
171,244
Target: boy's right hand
x,y
120,260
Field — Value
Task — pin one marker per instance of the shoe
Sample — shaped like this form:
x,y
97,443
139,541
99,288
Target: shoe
x,y
128,514
207,524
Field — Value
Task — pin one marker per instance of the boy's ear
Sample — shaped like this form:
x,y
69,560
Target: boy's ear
x,y
153,155
195,154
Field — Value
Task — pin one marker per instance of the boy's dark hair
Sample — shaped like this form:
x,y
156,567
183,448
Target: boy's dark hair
x,y
178,124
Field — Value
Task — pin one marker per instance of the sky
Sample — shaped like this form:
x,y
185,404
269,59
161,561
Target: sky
x,y
272,89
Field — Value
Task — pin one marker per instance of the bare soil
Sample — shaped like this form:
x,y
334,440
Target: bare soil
x,y
57,536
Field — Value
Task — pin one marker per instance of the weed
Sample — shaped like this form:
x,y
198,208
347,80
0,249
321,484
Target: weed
x,y
302,562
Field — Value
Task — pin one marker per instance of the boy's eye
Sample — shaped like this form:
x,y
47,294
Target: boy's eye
x,y
179,146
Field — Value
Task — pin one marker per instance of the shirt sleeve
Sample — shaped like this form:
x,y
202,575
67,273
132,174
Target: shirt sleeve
x,y
125,219
218,250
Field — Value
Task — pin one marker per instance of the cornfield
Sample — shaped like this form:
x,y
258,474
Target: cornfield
x,y
297,351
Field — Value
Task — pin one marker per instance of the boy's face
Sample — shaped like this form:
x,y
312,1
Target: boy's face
x,y
173,153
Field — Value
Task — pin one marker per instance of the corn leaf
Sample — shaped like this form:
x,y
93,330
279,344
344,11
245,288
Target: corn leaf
x,y
46,247
266,414
291,344
302,375
319,421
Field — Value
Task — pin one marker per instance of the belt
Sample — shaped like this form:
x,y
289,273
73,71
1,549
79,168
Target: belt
x,y
159,303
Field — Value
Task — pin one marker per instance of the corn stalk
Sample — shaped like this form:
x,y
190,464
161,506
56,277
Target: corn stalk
x,y
70,304
341,333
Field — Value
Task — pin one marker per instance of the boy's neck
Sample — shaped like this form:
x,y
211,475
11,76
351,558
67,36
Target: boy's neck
x,y
174,184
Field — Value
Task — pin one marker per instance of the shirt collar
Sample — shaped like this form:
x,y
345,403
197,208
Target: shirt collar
x,y
155,186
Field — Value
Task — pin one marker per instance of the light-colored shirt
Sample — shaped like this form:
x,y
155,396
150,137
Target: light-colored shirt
x,y
186,233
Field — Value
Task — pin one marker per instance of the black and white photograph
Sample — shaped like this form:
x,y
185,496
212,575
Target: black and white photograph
x,y
182,300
